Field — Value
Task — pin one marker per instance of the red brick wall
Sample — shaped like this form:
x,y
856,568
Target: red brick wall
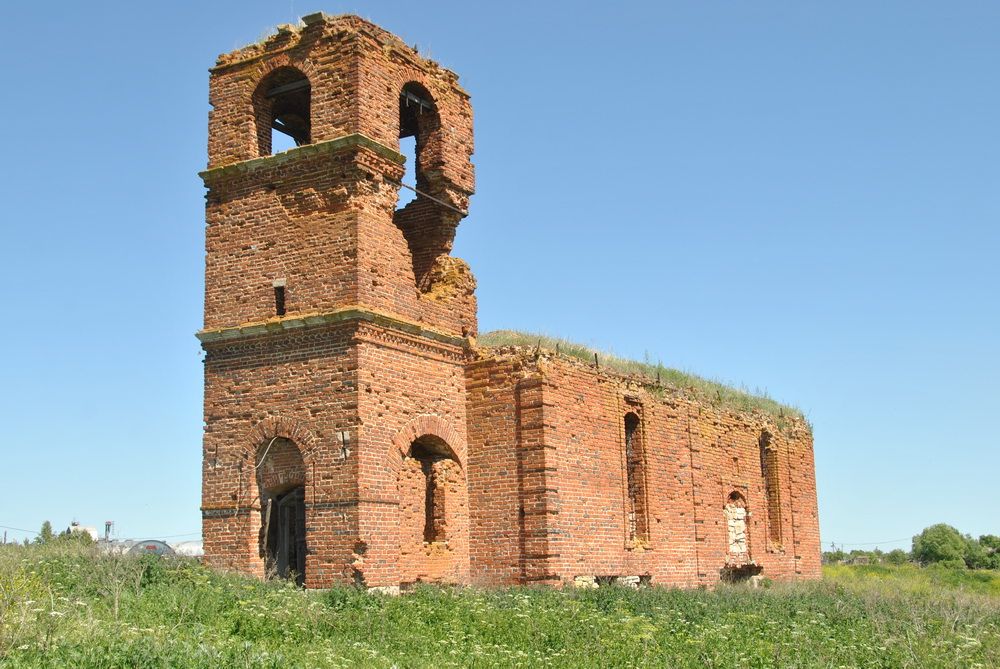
x,y
494,473
321,221
300,387
445,557
314,216
373,354
408,388
573,478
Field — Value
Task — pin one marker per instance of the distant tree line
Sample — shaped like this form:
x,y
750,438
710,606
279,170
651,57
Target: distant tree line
x,y
47,535
939,544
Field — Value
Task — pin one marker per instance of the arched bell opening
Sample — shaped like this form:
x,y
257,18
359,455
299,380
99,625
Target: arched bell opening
x,y
282,108
423,211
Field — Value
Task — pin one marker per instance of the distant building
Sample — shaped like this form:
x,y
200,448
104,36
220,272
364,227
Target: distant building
x,y
150,547
77,528
188,548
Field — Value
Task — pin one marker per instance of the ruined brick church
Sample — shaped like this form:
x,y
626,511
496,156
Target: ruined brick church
x,y
355,432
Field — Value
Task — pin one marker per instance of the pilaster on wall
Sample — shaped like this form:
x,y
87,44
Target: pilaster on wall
x,y
494,462
788,488
698,512
807,546
538,492
229,542
804,545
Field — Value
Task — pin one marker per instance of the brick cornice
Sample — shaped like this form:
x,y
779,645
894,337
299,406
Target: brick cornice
x,y
352,141
305,321
289,38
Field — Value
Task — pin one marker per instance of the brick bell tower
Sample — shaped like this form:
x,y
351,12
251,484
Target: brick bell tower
x,y
336,324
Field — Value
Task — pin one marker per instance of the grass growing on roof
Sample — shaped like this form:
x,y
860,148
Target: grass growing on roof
x,y
714,392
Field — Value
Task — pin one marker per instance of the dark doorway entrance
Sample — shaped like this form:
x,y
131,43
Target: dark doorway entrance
x,y
285,531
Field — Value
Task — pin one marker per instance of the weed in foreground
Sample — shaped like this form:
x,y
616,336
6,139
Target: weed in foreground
x,y
58,609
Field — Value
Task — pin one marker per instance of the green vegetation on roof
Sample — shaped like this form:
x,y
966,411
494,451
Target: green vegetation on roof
x,y
714,392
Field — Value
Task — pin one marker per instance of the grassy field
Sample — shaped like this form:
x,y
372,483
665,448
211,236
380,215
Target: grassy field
x,y
62,606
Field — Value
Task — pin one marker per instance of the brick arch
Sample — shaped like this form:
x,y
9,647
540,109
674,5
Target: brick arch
x,y
735,496
450,107
294,430
433,155
406,76
303,65
256,103
422,426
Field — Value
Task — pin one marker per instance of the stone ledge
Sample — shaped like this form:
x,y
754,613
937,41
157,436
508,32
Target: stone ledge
x,y
225,511
355,140
280,325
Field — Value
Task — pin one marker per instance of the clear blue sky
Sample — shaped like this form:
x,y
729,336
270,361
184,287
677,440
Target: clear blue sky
x,y
797,196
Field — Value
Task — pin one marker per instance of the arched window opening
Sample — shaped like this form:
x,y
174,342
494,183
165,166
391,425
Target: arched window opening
x,y
282,108
736,526
408,147
769,474
432,515
635,470
437,470
418,121
281,483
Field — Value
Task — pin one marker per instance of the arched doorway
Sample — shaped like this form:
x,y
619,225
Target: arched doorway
x,y
281,476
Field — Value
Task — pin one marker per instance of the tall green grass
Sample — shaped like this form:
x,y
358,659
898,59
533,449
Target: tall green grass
x,y
57,610
670,380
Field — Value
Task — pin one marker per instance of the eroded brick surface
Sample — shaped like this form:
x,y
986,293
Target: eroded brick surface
x,y
344,388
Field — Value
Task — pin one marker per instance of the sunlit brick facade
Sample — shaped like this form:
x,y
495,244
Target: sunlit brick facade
x,y
354,430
